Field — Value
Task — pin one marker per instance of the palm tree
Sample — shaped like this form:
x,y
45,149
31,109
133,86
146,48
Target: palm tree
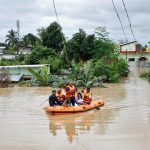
x,y
12,40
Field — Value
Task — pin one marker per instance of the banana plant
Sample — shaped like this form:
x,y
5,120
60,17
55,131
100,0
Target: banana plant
x,y
40,76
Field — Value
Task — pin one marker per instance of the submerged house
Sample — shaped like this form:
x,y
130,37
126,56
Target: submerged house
x,y
19,72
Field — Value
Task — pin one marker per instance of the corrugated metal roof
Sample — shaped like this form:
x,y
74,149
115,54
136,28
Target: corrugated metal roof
x,y
23,66
128,43
15,78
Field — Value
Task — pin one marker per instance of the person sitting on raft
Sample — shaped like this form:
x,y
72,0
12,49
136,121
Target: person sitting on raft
x,y
87,99
70,93
79,99
61,96
53,99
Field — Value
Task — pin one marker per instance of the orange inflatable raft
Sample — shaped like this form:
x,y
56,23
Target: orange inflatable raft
x,y
74,109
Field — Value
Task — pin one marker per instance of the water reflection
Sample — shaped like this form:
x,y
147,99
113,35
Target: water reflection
x,y
74,125
95,121
123,123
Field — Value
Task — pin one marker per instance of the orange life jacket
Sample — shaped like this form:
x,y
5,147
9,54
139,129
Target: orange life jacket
x,y
71,92
58,94
87,98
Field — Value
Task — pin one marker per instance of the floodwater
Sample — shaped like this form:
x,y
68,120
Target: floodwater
x,y
122,124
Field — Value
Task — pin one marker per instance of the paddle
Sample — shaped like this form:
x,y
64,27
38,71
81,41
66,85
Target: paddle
x,y
44,102
97,108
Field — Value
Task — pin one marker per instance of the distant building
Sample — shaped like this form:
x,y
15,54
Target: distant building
x,y
21,71
7,56
132,52
1,49
148,50
24,50
132,47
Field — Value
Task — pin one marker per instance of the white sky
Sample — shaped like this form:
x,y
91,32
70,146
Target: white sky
x,y
75,14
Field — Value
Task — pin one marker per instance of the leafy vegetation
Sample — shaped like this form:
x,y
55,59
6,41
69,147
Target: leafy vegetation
x,y
30,40
52,37
90,59
41,76
146,75
12,42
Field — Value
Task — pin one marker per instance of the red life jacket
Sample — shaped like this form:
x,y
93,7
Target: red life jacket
x,y
71,92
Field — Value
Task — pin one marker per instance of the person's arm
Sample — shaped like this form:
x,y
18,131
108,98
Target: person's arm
x,y
90,96
50,101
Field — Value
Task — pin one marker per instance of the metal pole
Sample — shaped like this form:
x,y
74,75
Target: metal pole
x,y
126,56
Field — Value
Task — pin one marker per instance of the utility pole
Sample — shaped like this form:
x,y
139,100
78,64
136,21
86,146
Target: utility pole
x,y
18,35
126,56
18,29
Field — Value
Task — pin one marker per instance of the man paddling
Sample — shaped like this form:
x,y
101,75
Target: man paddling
x,y
53,99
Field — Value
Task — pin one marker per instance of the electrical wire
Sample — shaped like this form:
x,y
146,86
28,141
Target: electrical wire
x,y
119,20
63,38
55,11
128,19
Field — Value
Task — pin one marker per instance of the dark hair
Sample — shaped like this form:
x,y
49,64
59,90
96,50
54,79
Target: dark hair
x,y
54,91
88,88
79,94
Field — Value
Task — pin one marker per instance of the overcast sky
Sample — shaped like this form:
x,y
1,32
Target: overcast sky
x,y
75,14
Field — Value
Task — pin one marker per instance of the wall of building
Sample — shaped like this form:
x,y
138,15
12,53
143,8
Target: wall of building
x,y
130,47
14,70
7,56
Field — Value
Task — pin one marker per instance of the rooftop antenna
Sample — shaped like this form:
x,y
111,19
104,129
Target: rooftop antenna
x,y
18,29
18,36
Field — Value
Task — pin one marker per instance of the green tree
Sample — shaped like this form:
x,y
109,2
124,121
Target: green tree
x,y
29,40
105,47
54,61
101,33
39,53
52,37
81,46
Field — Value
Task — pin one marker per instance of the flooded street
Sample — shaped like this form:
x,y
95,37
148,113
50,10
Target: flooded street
x,y
122,124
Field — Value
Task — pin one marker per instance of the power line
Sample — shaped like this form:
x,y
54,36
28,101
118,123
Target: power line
x,y
63,38
55,11
128,19
119,20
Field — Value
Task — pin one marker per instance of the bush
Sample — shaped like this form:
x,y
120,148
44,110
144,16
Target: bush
x,y
4,79
146,75
55,63
38,53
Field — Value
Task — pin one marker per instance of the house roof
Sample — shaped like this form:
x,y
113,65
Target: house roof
x,y
23,66
15,78
128,43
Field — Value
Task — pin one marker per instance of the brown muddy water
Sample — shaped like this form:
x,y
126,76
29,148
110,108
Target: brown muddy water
x,y
122,124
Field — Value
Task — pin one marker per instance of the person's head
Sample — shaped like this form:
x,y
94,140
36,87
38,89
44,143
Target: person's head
x,y
79,95
59,91
69,83
87,89
54,92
